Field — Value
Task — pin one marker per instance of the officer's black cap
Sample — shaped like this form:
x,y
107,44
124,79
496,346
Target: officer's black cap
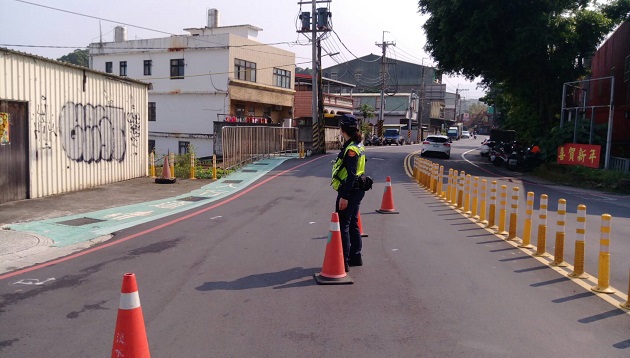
x,y
348,120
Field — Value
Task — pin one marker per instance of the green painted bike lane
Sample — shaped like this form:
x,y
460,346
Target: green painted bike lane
x,y
73,229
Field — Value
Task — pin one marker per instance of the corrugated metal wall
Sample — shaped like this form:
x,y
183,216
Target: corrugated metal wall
x,y
85,128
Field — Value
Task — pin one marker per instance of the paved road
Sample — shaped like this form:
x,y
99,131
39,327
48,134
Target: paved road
x,y
236,281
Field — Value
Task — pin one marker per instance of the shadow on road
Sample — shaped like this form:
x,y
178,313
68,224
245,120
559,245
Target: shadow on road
x,y
268,279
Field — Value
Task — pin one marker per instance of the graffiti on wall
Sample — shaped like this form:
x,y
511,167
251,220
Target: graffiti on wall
x,y
133,118
91,133
44,126
5,137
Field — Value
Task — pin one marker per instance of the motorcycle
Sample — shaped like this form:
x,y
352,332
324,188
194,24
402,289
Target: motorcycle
x,y
499,153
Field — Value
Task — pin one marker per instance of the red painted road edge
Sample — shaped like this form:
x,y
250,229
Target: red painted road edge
x,y
169,223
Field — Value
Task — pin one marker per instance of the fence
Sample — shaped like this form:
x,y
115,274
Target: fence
x,y
242,145
620,164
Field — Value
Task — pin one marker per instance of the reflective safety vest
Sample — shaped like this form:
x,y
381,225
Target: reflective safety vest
x,y
340,173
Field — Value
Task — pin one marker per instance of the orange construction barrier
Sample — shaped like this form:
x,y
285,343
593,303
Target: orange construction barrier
x,y
166,178
387,205
130,336
333,269
361,226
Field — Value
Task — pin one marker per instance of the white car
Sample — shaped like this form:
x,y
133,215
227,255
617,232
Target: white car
x,y
436,144
465,134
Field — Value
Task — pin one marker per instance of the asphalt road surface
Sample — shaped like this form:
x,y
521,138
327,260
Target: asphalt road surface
x,y
236,281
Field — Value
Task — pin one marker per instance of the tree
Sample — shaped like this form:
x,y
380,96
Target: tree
x,y
526,48
77,57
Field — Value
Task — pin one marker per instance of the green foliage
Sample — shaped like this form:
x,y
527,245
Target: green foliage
x,y
523,50
77,57
584,177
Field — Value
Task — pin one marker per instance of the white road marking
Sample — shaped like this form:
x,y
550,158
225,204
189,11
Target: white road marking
x,y
33,281
216,217
311,223
377,158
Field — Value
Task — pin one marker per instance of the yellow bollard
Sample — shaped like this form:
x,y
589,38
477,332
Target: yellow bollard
x,y
493,207
513,215
460,190
482,203
436,178
152,164
559,251
603,275
502,211
171,161
527,225
440,193
449,181
214,166
192,166
627,304
432,181
580,243
466,208
541,242
454,189
475,199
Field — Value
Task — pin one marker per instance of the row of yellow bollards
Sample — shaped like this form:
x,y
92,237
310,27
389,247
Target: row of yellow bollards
x,y
462,193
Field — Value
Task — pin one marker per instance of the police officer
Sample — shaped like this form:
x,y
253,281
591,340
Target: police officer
x,y
348,167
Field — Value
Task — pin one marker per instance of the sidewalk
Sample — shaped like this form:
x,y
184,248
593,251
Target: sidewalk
x,y
38,230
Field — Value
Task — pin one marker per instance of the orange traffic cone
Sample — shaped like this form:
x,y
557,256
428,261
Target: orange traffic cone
x,y
130,336
166,178
361,225
333,269
387,205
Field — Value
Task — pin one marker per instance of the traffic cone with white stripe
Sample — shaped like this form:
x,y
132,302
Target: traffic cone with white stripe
x,y
130,336
387,205
333,269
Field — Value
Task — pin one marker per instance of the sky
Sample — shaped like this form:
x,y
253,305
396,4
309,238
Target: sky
x,y
359,24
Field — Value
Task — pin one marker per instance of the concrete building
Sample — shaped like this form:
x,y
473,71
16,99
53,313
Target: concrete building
x,y
65,128
212,74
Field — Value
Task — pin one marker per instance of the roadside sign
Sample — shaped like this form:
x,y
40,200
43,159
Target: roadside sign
x,y
579,154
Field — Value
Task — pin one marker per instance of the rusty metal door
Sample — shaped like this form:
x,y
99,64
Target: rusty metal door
x,y
13,151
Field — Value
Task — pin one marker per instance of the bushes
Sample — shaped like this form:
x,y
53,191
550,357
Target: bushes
x,y
584,177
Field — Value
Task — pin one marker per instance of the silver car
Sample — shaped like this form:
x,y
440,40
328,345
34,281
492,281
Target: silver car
x,y
436,144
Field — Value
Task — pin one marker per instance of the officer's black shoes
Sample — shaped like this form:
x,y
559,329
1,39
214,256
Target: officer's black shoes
x,y
355,261
345,264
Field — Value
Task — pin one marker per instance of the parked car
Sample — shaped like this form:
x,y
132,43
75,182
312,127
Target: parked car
x,y
393,136
373,140
465,134
436,144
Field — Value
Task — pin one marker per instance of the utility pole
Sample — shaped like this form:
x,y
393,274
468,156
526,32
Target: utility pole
x,y
381,116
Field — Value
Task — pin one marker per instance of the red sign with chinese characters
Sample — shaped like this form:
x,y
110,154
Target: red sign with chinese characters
x,y
579,154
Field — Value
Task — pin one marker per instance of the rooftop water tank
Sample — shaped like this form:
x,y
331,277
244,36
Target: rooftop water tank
x,y
213,18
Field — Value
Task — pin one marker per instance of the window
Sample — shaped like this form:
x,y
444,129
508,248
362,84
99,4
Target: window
x,y
357,75
177,69
281,78
147,67
183,147
333,76
152,113
123,68
244,70
108,67
151,145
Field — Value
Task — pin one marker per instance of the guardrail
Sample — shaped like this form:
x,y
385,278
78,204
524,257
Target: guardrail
x,y
243,145
620,164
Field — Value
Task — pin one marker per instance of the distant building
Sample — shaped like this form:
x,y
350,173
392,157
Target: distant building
x,y
213,74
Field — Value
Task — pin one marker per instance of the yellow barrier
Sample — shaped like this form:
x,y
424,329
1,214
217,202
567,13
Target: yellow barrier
x,y
603,277
513,214
580,243
171,161
627,304
527,225
493,207
475,199
541,242
466,208
448,185
454,189
502,211
436,169
214,167
482,203
460,190
192,166
152,164
560,223
440,193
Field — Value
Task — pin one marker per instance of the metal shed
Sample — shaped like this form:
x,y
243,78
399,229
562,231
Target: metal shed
x,y
65,128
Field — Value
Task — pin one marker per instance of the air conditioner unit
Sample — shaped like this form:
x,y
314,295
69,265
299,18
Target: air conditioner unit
x,y
277,108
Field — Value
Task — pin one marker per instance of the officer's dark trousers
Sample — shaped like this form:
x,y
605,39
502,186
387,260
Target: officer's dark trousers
x,y
349,224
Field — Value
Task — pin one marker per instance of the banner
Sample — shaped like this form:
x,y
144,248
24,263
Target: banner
x,y
579,154
5,138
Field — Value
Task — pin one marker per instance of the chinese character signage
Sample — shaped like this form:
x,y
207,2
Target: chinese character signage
x,y
4,129
579,154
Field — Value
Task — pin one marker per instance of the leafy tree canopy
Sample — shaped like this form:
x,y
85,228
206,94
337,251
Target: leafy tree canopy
x,y
526,49
77,57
